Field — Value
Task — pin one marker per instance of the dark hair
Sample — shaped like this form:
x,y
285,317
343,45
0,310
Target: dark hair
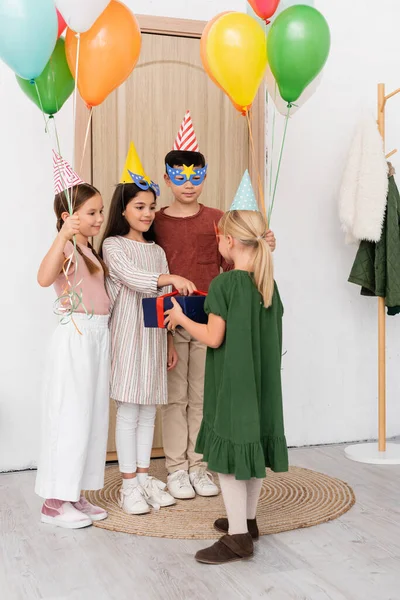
x,y
78,195
184,157
116,223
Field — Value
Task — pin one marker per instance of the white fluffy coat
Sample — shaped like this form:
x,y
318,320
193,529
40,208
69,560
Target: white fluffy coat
x,y
363,192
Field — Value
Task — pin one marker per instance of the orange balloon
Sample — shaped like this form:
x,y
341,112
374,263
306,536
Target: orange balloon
x,y
108,52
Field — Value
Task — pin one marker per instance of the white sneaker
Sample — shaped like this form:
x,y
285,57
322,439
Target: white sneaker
x,y
132,500
179,485
155,494
65,516
203,482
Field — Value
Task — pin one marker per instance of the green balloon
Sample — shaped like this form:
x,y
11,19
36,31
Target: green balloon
x,y
298,46
55,84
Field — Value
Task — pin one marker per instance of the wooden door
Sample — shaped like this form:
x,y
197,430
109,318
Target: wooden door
x,y
148,109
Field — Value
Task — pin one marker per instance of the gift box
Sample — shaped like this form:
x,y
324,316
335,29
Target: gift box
x,y
192,306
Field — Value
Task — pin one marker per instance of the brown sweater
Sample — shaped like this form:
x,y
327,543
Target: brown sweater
x,y
191,245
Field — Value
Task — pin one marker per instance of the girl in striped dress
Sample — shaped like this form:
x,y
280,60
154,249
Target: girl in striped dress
x,y
140,356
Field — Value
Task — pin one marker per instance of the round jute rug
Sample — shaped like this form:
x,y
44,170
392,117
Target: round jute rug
x,y
293,500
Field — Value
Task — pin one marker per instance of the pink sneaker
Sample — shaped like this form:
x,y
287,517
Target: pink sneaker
x,y
64,515
94,512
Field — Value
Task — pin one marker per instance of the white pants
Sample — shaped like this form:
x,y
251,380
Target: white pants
x,y
75,411
134,435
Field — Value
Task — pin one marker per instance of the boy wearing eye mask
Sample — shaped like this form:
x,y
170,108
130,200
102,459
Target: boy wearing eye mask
x,y
186,232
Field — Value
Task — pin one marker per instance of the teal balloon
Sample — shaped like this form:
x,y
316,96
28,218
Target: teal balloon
x,y
54,86
28,33
298,46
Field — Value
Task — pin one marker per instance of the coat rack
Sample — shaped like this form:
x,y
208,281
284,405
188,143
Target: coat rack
x,y
381,452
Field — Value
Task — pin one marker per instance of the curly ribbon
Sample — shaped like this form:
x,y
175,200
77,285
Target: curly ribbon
x,y
70,300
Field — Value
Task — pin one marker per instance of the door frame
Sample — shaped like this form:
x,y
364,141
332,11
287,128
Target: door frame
x,y
180,28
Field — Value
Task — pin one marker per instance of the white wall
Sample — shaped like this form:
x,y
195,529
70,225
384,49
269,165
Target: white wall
x,y
28,227
185,9
330,332
330,372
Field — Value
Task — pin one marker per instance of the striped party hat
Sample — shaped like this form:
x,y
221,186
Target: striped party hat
x,y
186,138
64,175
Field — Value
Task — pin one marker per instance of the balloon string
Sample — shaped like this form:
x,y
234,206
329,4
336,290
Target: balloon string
x,y
41,105
78,35
279,161
56,135
271,168
253,152
86,136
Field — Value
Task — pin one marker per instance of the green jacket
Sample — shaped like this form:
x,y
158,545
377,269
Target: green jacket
x,y
377,265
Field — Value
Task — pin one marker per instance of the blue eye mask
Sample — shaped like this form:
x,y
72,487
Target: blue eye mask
x,y
144,183
183,174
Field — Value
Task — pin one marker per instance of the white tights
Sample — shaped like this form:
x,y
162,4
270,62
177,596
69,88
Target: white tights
x,y
240,499
134,435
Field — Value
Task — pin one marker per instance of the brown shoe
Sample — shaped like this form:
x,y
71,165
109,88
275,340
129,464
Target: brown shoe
x,y
223,525
228,549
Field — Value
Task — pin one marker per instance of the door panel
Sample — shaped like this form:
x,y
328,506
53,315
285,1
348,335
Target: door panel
x,y
148,109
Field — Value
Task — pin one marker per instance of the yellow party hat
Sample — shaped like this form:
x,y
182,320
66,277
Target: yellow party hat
x,y
133,165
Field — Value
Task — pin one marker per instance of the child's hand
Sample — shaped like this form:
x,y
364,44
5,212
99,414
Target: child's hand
x,y
173,316
270,238
70,227
184,286
172,359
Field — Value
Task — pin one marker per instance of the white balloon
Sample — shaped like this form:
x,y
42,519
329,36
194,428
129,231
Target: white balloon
x,y
80,15
280,103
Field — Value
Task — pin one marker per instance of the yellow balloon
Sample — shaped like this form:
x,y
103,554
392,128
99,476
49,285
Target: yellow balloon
x,y
236,48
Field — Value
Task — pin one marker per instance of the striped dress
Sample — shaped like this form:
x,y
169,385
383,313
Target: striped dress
x,y
139,354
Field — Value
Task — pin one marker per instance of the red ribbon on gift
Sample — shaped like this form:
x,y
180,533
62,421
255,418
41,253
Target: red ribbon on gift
x,y
160,305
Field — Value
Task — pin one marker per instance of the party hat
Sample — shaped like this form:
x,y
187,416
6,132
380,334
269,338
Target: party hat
x,y
133,165
64,175
186,138
245,198
134,172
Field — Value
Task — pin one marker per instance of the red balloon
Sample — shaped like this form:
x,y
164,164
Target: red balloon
x,y
264,8
61,24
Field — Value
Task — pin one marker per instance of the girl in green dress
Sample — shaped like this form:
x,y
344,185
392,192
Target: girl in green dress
x,y
242,431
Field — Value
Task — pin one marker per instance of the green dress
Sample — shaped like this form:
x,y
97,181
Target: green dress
x,y
242,429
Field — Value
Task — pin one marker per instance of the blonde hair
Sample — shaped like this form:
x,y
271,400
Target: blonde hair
x,y
250,229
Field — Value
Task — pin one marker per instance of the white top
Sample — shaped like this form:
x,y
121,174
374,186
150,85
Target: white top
x,y
139,354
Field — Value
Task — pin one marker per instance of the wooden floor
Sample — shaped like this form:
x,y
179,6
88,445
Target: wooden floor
x,y
356,557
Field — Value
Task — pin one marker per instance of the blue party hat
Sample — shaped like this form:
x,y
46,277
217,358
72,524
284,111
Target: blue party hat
x,y
245,198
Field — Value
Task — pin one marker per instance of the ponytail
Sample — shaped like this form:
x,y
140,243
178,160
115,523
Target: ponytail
x,y
92,267
263,269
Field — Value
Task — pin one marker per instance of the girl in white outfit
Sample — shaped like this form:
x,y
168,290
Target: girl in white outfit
x,y
140,356
76,398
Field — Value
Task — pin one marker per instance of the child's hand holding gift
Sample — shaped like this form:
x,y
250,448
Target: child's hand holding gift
x,y
173,317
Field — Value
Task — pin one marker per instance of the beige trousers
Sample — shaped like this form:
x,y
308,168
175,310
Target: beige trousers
x,y
181,417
